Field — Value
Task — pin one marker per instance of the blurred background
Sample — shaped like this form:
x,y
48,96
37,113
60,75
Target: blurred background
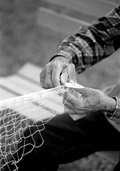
x,y
31,31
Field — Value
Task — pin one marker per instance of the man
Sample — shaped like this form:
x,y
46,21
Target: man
x,y
66,140
89,45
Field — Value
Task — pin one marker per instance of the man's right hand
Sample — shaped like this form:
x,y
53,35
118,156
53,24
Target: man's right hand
x,y
55,73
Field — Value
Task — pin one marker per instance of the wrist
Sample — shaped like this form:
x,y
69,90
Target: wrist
x,y
115,115
64,55
111,104
60,58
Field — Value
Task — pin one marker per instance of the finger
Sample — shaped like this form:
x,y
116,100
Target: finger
x,y
72,72
68,97
47,80
56,71
84,91
65,97
68,109
42,77
64,76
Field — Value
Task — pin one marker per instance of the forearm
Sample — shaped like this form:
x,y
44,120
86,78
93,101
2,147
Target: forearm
x,y
91,44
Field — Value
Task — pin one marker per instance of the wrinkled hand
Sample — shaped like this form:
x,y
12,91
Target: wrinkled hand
x,y
89,101
55,73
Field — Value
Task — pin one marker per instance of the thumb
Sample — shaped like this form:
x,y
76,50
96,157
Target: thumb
x,y
64,76
84,91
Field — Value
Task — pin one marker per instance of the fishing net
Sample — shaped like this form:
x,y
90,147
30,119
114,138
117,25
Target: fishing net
x,y
23,113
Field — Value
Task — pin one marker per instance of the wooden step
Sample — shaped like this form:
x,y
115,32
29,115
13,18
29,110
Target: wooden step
x,y
30,72
95,8
58,22
5,94
113,1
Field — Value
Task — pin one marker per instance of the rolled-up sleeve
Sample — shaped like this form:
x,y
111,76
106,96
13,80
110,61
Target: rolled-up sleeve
x,y
90,44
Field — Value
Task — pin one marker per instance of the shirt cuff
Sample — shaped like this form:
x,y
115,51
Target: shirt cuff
x,y
64,54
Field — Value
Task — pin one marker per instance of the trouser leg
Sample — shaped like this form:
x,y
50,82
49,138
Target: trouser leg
x,y
70,140
66,140
117,167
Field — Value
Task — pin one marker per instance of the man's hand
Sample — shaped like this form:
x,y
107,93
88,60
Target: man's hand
x,y
55,73
89,101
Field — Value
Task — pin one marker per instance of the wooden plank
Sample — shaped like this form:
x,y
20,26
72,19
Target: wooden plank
x,y
18,86
24,84
4,94
91,7
113,1
58,22
30,71
13,87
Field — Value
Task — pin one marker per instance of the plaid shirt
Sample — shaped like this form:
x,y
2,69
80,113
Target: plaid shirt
x,y
90,44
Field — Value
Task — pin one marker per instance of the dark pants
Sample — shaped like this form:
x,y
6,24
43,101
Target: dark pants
x,y
66,140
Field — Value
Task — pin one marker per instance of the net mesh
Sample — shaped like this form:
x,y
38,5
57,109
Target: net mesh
x,y
23,113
